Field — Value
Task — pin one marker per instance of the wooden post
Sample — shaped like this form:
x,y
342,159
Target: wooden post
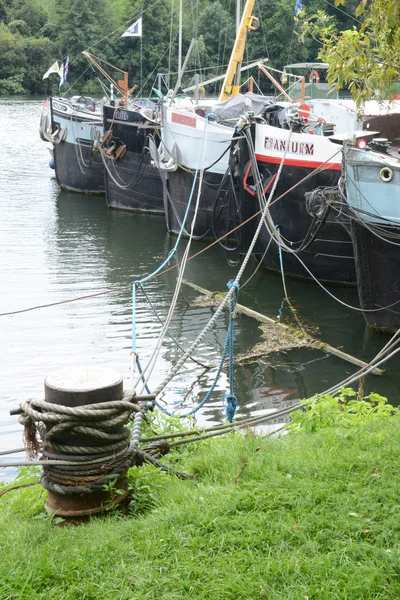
x,y
303,89
123,86
275,82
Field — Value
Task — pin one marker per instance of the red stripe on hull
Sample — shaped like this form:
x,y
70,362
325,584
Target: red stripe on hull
x,y
294,162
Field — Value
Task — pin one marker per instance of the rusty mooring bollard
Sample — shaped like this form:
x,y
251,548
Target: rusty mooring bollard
x,y
86,427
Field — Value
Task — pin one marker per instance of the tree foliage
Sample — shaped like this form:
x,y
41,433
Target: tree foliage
x,y
35,33
366,57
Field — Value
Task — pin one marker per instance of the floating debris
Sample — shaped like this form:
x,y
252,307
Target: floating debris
x,y
281,336
276,339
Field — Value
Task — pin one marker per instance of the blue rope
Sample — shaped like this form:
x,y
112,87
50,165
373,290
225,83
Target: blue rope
x,y
230,400
174,249
286,299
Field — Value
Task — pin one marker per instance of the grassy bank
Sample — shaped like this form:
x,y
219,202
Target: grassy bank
x,y
308,516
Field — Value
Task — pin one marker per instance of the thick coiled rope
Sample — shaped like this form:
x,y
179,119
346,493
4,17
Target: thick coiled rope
x,y
83,447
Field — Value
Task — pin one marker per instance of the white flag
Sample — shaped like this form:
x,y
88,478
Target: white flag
x,y
135,30
53,69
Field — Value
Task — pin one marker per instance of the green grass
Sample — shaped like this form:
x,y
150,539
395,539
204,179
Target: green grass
x,y
306,516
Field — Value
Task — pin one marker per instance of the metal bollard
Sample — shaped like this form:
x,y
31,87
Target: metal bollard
x,y
80,387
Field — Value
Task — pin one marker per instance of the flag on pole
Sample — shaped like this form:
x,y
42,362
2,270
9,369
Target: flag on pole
x,y
66,67
298,7
53,69
135,30
61,76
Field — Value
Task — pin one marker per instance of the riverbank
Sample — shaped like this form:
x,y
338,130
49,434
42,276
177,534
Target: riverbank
x,y
304,516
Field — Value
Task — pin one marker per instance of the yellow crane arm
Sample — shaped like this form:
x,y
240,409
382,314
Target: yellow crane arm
x,y
248,23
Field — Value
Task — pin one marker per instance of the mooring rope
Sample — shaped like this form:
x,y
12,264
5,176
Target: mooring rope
x,y
151,362
160,272
150,365
71,465
232,289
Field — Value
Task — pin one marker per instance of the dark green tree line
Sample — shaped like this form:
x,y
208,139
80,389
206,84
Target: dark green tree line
x,y
35,33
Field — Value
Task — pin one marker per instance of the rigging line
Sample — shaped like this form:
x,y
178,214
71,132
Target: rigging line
x,y
371,227
170,45
75,82
344,12
217,66
153,71
292,75
359,211
290,45
258,266
262,28
388,348
129,285
141,50
279,241
366,371
363,310
382,352
201,364
233,287
151,363
123,25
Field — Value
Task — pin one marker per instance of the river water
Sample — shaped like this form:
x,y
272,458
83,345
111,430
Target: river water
x,y
56,246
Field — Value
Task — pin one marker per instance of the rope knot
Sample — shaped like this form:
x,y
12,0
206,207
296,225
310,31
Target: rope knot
x,y
231,404
233,284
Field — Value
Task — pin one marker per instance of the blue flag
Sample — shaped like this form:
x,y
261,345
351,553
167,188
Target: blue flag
x,y
298,7
66,67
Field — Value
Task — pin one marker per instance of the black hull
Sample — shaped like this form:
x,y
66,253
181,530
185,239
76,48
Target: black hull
x,y
78,169
330,256
144,191
179,185
223,204
378,277
132,183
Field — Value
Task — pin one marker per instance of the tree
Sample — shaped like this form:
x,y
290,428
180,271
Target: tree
x,y
81,23
13,62
30,11
366,58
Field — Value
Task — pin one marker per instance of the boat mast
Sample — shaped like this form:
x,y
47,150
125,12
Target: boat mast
x,y
232,78
238,13
180,40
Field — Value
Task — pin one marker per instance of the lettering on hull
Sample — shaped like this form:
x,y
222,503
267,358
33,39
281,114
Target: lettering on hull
x,y
303,148
183,120
121,115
